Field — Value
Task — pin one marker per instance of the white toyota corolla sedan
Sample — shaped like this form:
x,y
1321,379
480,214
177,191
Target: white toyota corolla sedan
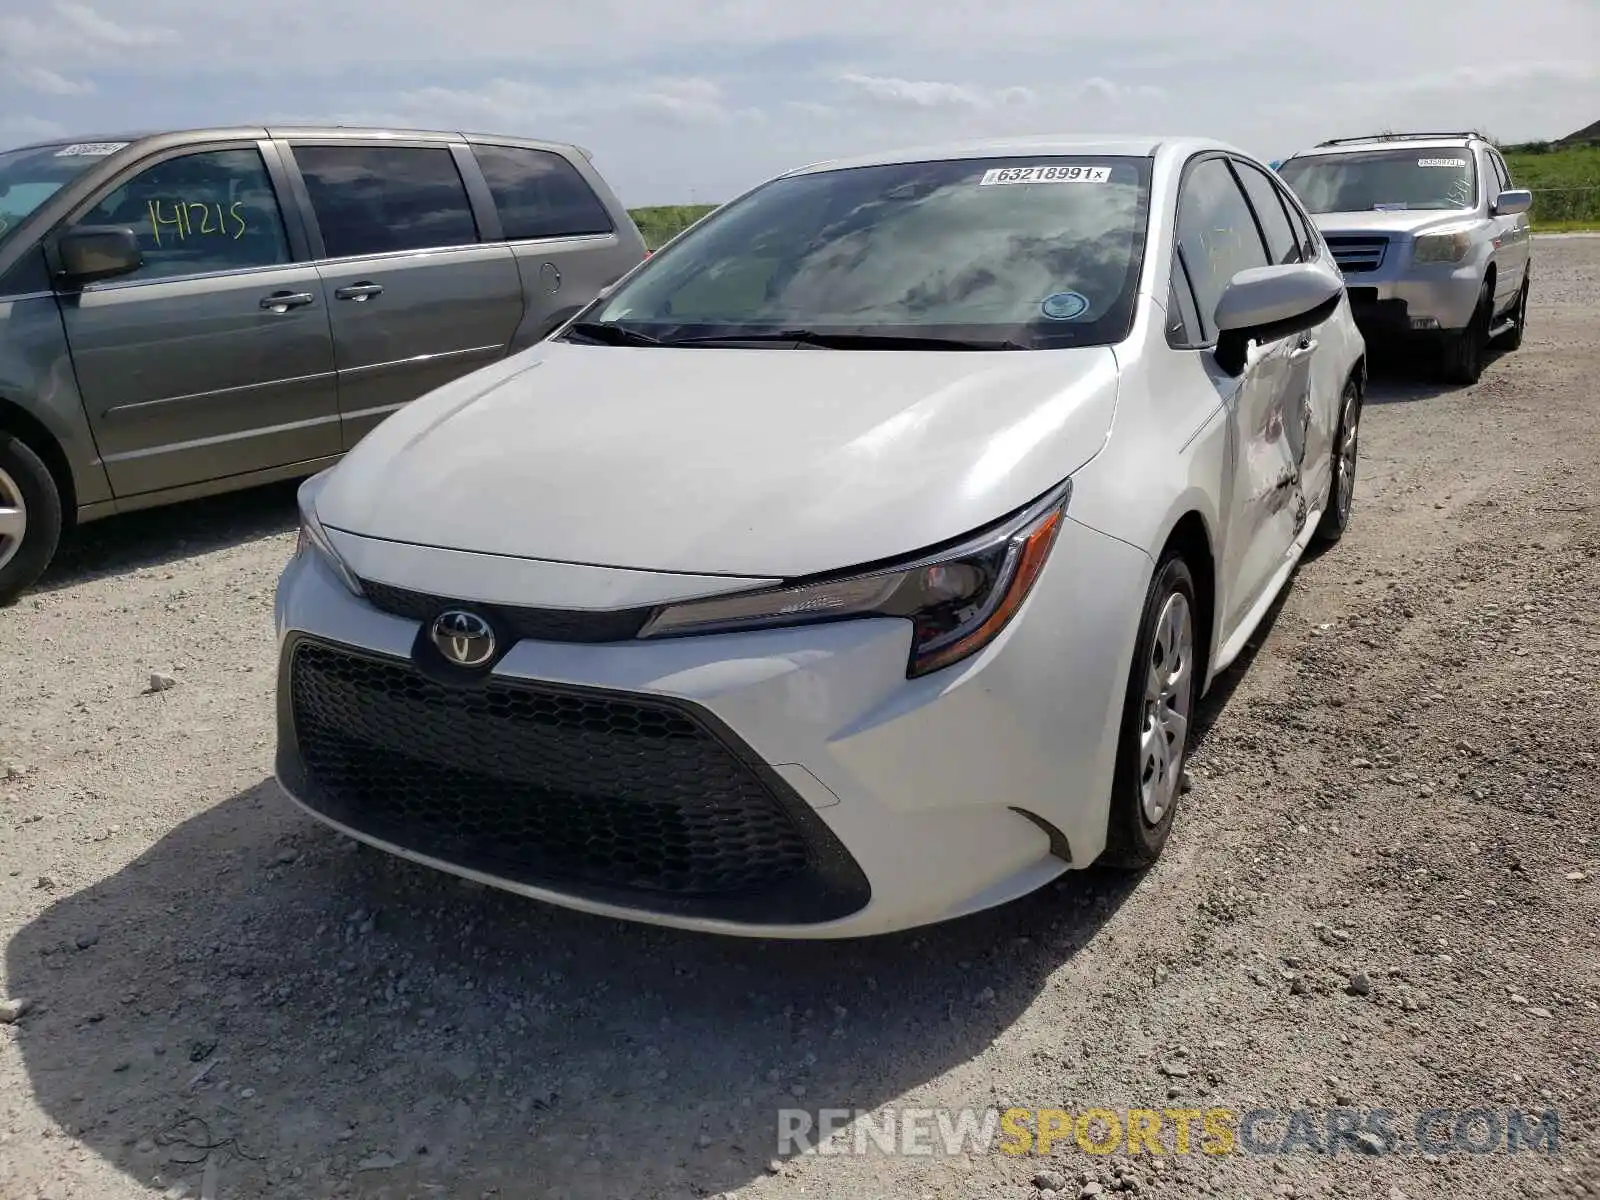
x,y
855,563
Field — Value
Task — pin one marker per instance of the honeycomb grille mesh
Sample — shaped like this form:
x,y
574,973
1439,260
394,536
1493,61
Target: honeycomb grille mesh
x,y
540,784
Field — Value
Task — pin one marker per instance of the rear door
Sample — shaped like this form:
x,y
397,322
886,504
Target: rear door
x,y
565,241
214,358
420,293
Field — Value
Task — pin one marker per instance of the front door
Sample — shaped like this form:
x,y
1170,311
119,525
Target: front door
x,y
1264,505
1512,238
215,357
416,300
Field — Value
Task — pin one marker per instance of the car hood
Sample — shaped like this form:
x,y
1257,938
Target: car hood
x,y
749,462
1399,221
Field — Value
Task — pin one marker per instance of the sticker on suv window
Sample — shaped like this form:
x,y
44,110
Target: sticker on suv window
x,y
1065,306
1441,162
89,149
1045,175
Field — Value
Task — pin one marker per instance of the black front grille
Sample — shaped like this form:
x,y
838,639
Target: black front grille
x,y
1357,255
540,624
636,800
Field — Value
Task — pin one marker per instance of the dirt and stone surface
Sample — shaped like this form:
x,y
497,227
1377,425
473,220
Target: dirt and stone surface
x,y
1383,892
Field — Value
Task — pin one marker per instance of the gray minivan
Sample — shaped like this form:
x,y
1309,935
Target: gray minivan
x,y
193,312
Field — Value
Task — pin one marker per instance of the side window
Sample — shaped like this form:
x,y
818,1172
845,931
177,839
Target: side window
x,y
1282,241
1502,172
1183,323
540,194
1309,251
211,211
385,199
1216,235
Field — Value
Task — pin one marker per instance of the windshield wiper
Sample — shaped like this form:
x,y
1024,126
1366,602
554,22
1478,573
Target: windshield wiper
x,y
849,341
613,335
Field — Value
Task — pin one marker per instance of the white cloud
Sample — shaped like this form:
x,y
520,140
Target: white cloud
x,y
930,94
42,79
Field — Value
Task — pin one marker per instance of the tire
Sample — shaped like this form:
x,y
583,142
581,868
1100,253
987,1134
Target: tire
x,y
1342,481
1513,339
1465,350
1164,676
30,517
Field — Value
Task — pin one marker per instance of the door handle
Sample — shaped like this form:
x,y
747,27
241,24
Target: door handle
x,y
282,302
359,292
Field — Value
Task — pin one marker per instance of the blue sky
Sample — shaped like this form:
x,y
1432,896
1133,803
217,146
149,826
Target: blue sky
x,y
699,99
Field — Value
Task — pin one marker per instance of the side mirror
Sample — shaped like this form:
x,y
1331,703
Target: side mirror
x,y
93,252
1263,304
1510,203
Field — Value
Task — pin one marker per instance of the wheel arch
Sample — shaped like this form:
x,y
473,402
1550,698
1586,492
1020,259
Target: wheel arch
x,y
21,424
1190,537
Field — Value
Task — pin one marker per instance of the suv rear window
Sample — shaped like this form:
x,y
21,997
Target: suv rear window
x,y
540,194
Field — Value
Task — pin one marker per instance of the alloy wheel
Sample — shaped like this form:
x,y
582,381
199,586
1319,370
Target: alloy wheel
x,y
1349,424
13,518
1168,691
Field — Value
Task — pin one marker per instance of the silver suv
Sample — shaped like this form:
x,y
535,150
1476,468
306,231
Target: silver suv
x,y
193,312
1432,238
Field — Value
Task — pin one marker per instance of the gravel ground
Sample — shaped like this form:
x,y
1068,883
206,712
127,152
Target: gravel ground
x,y
1398,785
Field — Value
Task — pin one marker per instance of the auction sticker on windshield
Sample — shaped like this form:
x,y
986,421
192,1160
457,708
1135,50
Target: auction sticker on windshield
x,y
1045,175
1441,162
89,149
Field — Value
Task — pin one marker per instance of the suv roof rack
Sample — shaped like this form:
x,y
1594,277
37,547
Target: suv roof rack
x,y
1404,137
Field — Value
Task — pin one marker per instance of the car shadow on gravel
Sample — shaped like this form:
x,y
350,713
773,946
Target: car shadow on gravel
x,y
314,1015
155,537
1401,374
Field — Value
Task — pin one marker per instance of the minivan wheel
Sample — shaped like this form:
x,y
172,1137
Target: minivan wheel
x,y
1464,350
30,517
1158,711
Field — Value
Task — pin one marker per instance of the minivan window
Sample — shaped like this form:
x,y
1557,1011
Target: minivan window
x,y
1368,180
540,194
30,177
1035,253
214,210
386,199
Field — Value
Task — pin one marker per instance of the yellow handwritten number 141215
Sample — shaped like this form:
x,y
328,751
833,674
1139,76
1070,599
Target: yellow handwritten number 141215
x,y
212,219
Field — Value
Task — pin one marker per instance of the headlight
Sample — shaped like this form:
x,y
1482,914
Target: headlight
x,y
314,537
957,600
1449,247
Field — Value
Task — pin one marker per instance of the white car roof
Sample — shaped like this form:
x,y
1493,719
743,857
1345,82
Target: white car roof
x,y
1022,147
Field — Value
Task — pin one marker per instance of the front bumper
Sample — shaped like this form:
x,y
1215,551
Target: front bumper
x,y
780,783
1400,296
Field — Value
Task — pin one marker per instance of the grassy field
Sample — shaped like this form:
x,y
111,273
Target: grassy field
x,y
664,221
1565,182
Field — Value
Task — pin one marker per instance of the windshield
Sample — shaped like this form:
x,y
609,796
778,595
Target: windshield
x,y
30,177
1375,180
1016,253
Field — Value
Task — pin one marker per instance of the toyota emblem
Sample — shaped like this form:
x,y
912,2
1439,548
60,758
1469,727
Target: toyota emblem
x,y
464,638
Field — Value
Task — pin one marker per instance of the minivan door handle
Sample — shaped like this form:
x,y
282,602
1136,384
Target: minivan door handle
x,y
282,302
358,292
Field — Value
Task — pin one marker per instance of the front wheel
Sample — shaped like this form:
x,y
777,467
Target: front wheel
x,y
1465,350
1519,320
1157,713
30,517
1346,449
